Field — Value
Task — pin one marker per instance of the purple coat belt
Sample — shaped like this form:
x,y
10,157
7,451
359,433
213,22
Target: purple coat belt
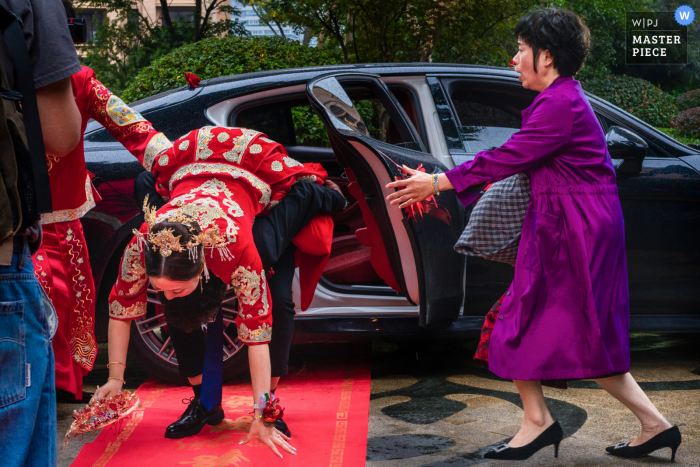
x,y
566,313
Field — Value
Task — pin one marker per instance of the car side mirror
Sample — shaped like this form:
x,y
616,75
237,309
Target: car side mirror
x,y
628,146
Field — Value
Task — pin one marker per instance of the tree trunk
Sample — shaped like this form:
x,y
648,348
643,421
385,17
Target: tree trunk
x,y
279,26
307,36
165,13
197,20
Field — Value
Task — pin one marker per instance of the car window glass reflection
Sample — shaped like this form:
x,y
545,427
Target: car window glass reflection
x,y
336,101
487,120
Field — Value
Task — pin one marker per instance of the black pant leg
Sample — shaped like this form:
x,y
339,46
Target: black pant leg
x,y
189,350
145,185
280,284
274,232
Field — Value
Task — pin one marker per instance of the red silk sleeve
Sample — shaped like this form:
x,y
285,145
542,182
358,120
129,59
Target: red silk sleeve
x,y
127,125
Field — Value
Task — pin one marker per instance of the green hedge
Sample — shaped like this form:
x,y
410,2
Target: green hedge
x,y
676,134
222,56
688,100
636,96
687,123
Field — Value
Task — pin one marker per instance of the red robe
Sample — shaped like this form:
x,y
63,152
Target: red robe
x,y
62,264
225,177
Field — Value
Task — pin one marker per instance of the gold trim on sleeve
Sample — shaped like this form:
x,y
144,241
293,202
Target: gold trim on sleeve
x,y
258,336
155,146
119,311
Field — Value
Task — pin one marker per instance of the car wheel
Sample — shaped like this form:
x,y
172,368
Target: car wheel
x,y
155,351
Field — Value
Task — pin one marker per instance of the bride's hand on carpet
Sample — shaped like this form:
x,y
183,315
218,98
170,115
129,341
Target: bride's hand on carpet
x,y
270,436
110,389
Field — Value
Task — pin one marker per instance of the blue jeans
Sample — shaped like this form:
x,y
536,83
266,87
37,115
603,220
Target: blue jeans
x,y
27,392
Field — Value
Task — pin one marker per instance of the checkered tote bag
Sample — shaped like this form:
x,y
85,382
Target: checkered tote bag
x,y
495,225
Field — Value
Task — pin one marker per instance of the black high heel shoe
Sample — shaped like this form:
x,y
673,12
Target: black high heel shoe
x,y
670,438
552,435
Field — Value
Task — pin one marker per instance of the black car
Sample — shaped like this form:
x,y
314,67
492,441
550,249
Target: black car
x,y
391,275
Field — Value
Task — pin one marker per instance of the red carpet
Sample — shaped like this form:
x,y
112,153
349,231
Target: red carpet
x,y
326,409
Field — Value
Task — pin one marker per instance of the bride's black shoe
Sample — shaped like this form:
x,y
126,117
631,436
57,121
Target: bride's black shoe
x,y
552,435
283,428
670,438
193,420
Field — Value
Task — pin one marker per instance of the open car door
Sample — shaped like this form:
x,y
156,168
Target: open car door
x,y
411,251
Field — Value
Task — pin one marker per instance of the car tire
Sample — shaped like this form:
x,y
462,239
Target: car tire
x,y
150,344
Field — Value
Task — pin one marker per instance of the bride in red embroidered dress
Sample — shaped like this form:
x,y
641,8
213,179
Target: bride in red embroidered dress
x,y
221,178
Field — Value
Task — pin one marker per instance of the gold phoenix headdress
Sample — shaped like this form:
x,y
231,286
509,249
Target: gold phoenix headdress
x,y
165,242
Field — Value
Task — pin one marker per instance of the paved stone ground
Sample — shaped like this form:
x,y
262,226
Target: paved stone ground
x,y
431,406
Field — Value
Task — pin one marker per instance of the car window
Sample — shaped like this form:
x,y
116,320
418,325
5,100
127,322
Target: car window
x,y
290,123
294,123
370,103
652,151
487,119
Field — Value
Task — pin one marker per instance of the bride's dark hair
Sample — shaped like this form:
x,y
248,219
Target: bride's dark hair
x,y
191,311
180,265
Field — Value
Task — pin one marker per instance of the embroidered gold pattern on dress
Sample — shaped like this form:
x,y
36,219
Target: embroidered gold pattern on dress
x,y
249,336
240,144
223,137
155,146
289,162
51,160
255,149
266,305
277,166
203,137
233,172
119,311
215,187
204,210
132,269
163,160
246,284
67,215
184,145
122,114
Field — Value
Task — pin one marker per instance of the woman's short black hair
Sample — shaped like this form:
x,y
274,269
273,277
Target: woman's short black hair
x,y
191,311
179,266
561,32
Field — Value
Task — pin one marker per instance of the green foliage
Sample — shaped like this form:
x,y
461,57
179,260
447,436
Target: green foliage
x,y
688,100
308,128
481,33
606,22
635,95
129,41
215,57
687,123
676,134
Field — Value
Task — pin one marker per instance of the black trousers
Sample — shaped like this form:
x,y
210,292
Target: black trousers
x,y
273,235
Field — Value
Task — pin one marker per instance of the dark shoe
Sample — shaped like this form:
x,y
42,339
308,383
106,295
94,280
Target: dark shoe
x,y
552,435
670,438
193,420
283,428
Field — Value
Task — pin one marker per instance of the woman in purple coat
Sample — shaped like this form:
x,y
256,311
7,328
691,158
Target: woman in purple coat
x,y
566,314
